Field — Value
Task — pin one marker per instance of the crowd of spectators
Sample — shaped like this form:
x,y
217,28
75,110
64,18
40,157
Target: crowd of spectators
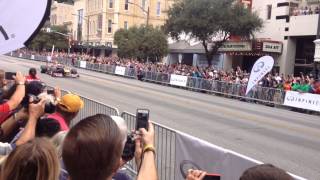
x,y
305,11
37,142
301,83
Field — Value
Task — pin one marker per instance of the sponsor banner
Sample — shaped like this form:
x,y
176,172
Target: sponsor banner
x,y
178,80
20,55
11,53
194,153
236,46
260,68
83,64
272,47
120,70
20,21
302,100
32,57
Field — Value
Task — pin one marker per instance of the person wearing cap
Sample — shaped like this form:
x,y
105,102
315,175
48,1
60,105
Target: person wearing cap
x,y
68,107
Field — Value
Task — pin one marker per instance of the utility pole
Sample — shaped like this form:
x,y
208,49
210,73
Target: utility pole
x,y
148,16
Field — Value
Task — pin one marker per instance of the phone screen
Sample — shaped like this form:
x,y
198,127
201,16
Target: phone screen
x,y
9,75
212,177
142,118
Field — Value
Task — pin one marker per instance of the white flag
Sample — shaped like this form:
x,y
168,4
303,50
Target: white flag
x,y
260,68
20,21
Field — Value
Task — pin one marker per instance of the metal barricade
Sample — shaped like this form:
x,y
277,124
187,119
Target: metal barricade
x,y
92,107
165,141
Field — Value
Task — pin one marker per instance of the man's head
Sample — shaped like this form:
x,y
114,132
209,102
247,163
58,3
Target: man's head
x,y
92,148
33,72
265,172
69,106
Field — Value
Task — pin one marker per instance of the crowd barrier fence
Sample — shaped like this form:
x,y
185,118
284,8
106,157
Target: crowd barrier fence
x,y
257,94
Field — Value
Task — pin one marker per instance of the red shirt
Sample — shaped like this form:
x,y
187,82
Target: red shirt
x,y
4,108
61,121
30,78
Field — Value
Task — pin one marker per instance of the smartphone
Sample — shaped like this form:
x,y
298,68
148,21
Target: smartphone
x,y
50,91
212,177
142,119
9,75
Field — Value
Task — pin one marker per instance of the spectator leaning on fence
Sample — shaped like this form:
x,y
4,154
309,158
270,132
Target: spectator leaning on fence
x,y
67,109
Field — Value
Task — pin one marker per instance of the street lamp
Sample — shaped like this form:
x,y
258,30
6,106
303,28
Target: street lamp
x,y
148,11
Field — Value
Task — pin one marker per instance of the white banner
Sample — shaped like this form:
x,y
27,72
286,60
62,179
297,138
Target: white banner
x,y
120,70
178,80
260,68
20,55
194,153
302,100
32,57
19,20
83,64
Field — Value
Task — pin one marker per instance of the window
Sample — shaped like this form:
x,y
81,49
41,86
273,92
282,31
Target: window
x,y
126,5
99,30
143,4
110,4
80,16
109,26
269,10
158,8
125,26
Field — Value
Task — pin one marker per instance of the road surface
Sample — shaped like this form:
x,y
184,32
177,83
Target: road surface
x,y
284,138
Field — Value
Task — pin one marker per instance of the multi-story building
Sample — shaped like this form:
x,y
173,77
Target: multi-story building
x,y
61,15
100,19
289,29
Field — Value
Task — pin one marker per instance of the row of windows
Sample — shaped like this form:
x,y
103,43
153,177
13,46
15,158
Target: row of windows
x,y
97,28
143,5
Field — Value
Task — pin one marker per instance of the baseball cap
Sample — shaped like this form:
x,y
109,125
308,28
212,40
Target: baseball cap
x,y
70,103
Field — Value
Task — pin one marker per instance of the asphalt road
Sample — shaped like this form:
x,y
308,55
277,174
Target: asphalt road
x,y
284,138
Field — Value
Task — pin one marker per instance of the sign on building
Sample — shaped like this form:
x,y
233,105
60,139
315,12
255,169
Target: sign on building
x,y
272,47
236,46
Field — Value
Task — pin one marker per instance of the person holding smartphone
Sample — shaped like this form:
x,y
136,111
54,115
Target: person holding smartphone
x,y
17,97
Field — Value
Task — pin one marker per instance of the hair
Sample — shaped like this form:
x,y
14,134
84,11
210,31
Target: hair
x,y
47,127
33,72
35,160
92,148
57,141
122,127
265,172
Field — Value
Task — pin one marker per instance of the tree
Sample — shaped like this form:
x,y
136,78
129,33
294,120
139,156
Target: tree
x,y
143,43
45,40
212,22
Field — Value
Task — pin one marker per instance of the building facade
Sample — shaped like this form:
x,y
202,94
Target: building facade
x,y
61,14
295,23
96,21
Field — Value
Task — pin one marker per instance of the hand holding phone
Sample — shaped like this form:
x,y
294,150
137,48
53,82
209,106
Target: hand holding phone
x,y
142,119
9,75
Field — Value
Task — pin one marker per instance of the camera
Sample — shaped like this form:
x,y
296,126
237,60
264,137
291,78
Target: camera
x,y
49,107
129,148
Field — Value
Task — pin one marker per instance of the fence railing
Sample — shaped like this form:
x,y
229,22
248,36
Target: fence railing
x,y
257,94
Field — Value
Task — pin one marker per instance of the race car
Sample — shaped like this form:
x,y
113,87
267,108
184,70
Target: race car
x,y
59,70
